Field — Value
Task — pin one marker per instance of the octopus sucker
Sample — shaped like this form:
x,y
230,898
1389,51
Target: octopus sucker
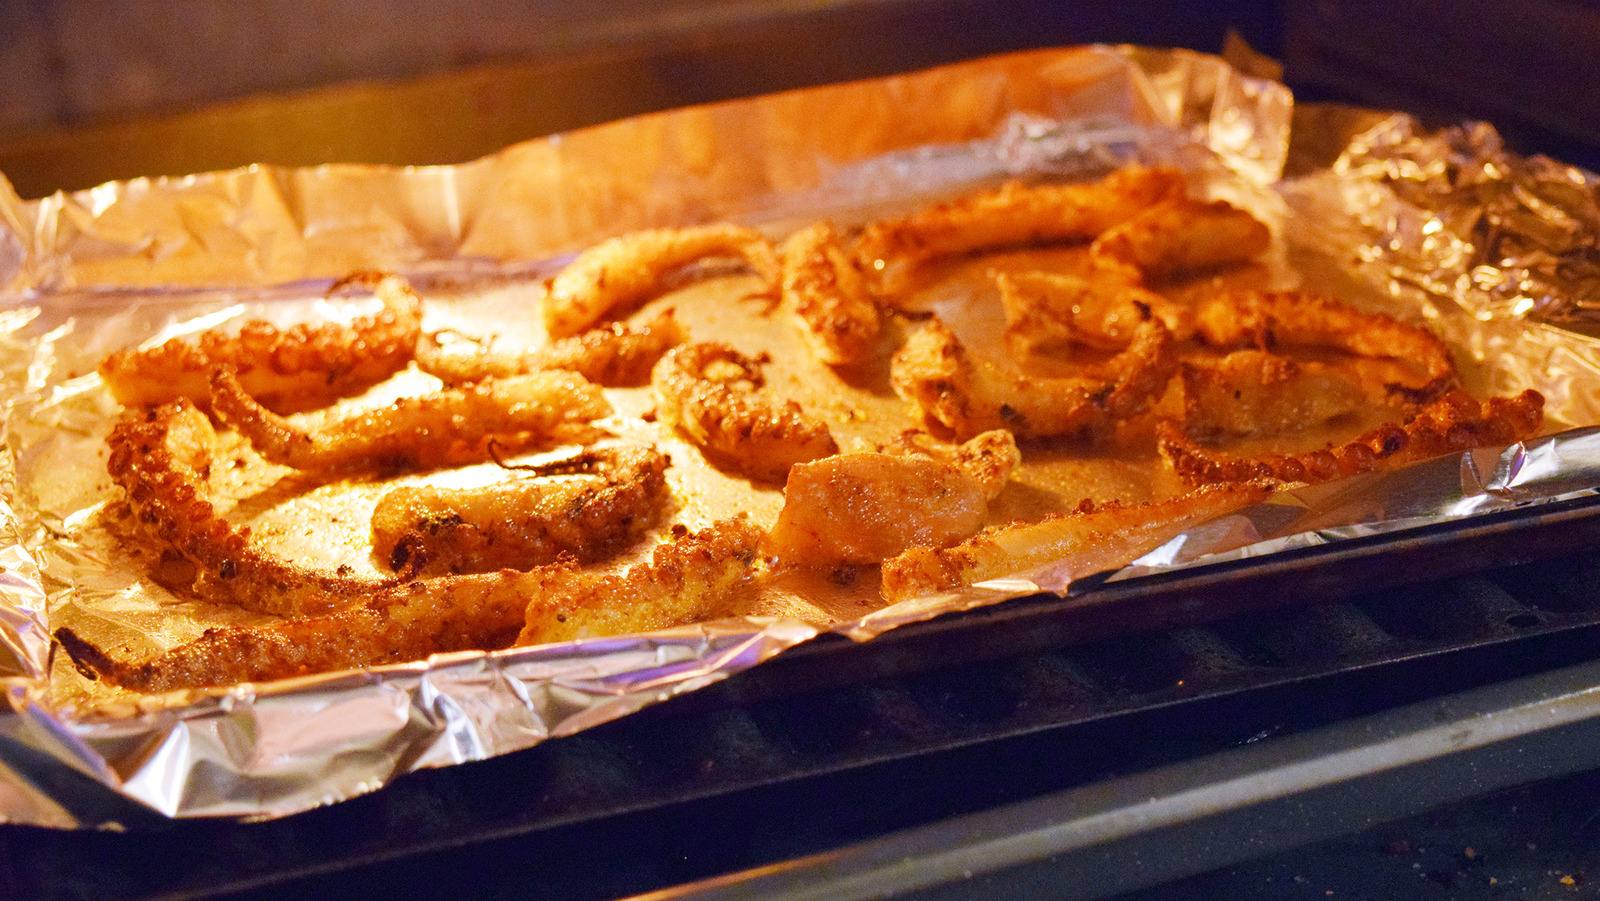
x,y
448,426
1454,422
860,508
161,458
616,275
827,294
970,395
690,577
286,370
613,355
1072,545
585,509
1183,233
1014,215
711,393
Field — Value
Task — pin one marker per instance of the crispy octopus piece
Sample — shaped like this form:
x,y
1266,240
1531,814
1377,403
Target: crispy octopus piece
x,y
1272,319
828,296
969,395
616,275
1182,233
693,575
585,509
1049,312
287,370
711,393
160,456
1253,393
1454,422
867,507
1012,216
449,426
614,355
1072,545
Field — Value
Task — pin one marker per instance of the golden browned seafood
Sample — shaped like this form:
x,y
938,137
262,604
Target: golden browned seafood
x,y
828,297
616,275
1271,320
711,393
969,395
1254,393
1182,233
1454,422
449,426
1012,216
583,508
287,370
1072,545
612,355
1050,313
161,457
867,507
693,576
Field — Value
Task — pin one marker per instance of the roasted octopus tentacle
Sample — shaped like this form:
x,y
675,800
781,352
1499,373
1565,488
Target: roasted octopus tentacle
x,y
616,275
969,395
827,294
286,370
711,393
690,577
448,426
160,456
1073,545
597,505
1011,216
1454,422
614,355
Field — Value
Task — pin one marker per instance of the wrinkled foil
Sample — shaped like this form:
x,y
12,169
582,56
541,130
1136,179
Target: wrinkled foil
x,y
122,259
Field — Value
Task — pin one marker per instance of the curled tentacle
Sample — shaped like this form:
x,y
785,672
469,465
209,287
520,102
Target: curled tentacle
x,y
449,426
828,296
612,355
295,369
616,275
711,392
584,509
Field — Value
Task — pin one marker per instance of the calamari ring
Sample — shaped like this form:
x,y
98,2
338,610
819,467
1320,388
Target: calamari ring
x,y
615,355
711,393
600,501
286,370
1454,422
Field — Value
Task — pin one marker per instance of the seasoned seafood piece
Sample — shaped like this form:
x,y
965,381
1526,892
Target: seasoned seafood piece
x,y
614,355
614,276
290,370
828,296
1183,233
1253,393
1090,540
584,508
868,507
1271,320
449,426
1048,312
711,393
1454,422
161,458
1014,215
969,395
691,577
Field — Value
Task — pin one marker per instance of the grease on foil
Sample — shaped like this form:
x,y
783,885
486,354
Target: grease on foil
x,y
272,750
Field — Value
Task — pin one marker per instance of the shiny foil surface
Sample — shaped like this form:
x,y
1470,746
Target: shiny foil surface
x,y
1391,222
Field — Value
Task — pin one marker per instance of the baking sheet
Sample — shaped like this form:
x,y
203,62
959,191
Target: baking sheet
x,y
150,258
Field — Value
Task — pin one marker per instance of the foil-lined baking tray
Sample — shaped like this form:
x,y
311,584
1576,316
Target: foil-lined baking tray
x,y
89,271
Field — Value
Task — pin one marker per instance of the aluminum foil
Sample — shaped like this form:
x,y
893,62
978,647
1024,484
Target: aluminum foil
x,y
86,272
